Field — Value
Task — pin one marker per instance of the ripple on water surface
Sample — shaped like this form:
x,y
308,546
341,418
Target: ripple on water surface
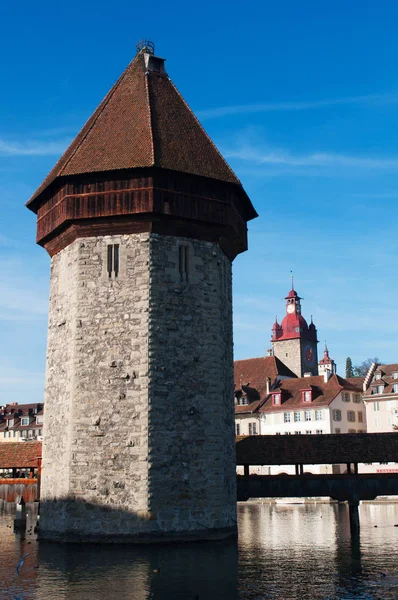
x,y
285,551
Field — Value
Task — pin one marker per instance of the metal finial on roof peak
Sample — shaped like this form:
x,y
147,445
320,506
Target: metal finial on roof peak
x,y
292,277
146,45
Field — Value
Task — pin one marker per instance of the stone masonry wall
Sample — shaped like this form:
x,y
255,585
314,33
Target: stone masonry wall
x,y
191,409
289,352
95,436
139,431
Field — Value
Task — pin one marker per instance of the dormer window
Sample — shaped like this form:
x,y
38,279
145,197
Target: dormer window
x,y
307,396
377,376
10,422
380,389
395,375
277,398
25,421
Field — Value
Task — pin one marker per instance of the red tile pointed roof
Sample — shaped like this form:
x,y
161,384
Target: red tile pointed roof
x,y
19,454
142,122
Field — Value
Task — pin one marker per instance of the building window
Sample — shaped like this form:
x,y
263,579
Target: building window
x,y
113,260
395,387
337,430
39,420
40,432
297,417
346,397
286,417
318,415
380,389
24,433
277,398
377,422
351,416
25,421
360,417
307,415
395,375
252,428
319,431
237,429
183,258
308,432
376,406
10,422
307,396
336,415
278,433
357,398
288,433
297,432
377,376
351,431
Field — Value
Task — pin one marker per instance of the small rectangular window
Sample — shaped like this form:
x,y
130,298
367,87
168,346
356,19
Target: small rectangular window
x,y
319,431
184,263
337,415
318,415
346,397
351,416
376,406
337,430
395,387
297,417
308,415
360,417
112,264
286,417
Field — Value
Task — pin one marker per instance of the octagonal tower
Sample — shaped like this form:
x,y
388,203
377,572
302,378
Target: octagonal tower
x,y
142,218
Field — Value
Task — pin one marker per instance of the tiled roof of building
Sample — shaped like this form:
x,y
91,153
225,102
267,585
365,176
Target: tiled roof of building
x,y
142,122
19,454
387,380
357,381
250,377
323,393
316,449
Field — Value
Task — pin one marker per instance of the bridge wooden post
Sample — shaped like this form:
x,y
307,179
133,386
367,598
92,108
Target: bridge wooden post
x,y
354,516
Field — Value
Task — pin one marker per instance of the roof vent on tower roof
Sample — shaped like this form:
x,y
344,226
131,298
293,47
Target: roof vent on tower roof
x,y
146,45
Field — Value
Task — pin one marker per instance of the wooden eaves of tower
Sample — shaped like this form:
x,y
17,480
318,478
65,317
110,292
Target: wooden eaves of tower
x,y
142,163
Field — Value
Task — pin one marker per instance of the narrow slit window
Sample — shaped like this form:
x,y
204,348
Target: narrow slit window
x,y
113,260
184,263
116,259
110,260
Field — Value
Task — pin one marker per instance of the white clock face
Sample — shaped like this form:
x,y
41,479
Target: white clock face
x,y
290,308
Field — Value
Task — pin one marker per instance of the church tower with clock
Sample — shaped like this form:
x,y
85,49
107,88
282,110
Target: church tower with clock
x,y
294,342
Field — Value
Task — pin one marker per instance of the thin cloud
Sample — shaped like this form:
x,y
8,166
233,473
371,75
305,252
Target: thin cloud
x,y
225,111
313,160
33,147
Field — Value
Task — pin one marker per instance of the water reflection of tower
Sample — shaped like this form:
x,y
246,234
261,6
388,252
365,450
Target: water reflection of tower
x,y
177,572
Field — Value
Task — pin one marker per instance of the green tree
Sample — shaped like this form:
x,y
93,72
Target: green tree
x,y
348,367
362,369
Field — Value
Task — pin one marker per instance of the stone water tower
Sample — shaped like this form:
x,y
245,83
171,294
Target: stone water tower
x,y
142,218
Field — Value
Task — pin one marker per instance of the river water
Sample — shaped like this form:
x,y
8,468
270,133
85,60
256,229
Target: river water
x,y
284,551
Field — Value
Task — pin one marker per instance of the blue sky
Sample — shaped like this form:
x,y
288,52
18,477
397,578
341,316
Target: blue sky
x,y
302,99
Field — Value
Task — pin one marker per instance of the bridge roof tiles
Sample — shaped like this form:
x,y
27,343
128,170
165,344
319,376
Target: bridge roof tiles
x,y
19,454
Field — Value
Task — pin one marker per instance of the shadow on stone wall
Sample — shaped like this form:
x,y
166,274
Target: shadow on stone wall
x,y
76,520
